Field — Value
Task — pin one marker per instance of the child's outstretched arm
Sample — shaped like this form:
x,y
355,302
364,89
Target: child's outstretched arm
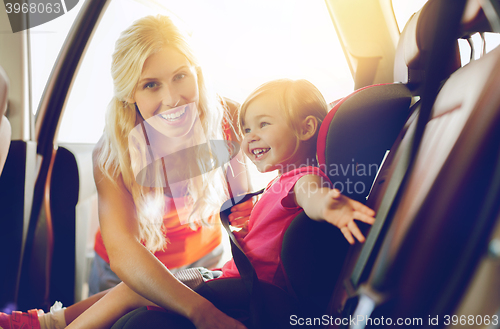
x,y
323,203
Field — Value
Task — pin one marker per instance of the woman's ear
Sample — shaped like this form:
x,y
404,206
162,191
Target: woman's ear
x,y
130,100
308,127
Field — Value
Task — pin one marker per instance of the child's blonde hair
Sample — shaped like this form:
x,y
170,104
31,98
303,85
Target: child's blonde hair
x,y
297,99
143,38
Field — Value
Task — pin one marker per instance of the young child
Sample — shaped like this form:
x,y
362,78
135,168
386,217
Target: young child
x,y
279,122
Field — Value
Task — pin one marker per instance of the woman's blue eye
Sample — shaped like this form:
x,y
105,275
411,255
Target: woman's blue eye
x,y
150,85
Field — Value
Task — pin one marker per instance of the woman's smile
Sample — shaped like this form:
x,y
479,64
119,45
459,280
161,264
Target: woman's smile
x,y
177,116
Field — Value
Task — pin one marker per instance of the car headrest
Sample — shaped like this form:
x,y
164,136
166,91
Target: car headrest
x,y
414,45
474,19
356,133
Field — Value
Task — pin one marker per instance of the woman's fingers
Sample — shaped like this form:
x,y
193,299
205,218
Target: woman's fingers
x,y
238,214
244,206
238,222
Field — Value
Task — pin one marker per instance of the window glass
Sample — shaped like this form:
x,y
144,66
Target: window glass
x,y
491,41
404,9
45,42
241,44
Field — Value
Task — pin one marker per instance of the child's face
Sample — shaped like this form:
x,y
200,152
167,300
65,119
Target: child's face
x,y
167,82
268,140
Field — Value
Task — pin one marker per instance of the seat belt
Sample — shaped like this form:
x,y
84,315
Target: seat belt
x,y
245,267
450,13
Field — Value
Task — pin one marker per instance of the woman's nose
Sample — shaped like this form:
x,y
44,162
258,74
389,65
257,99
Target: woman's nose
x,y
170,97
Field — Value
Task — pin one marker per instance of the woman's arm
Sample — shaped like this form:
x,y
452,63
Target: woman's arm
x,y
121,300
322,203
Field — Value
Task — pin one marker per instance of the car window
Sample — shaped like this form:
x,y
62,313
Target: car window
x,y
404,9
45,42
241,44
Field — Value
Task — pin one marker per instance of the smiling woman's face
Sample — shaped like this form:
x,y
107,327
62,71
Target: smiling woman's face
x,y
168,81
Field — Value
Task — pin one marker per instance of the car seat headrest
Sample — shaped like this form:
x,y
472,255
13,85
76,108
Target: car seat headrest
x,y
474,19
356,133
414,45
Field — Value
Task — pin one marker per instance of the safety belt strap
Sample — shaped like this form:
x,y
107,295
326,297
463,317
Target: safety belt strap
x,y
245,267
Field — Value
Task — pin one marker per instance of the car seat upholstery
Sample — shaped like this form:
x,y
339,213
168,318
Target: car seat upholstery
x,y
410,67
414,45
447,211
357,132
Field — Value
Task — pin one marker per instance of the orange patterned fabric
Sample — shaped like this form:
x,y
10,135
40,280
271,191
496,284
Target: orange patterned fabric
x,y
184,245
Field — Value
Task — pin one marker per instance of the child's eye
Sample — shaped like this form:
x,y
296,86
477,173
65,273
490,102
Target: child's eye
x,y
246,130
150,85
263,124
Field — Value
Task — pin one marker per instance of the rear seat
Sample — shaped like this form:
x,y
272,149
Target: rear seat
x,y
441,208
447,211
409,70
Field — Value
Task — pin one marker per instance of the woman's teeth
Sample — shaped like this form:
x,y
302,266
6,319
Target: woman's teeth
x,y
174,116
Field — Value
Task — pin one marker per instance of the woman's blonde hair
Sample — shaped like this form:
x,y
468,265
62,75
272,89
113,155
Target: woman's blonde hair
x,y
207,192
297,100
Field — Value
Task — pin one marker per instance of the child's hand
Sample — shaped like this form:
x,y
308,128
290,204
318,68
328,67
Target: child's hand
x,y
341,211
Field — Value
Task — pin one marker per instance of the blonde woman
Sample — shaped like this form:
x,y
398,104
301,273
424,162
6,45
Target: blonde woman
x,y
148,227
154,71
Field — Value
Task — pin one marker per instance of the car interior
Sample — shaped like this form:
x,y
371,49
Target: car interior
x,y
417,140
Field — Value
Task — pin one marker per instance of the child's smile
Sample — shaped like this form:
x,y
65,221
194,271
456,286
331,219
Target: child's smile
x,y
259,152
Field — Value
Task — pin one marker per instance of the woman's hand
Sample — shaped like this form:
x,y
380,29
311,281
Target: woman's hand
x,y
240,214
208,316
341,211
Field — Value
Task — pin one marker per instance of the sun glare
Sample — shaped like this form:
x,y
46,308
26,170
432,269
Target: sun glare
x,y
241,45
